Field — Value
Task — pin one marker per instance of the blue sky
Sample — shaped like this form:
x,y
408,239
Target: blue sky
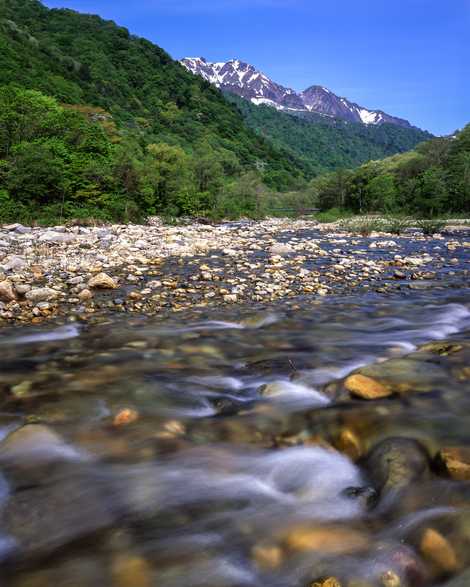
x,y
410,58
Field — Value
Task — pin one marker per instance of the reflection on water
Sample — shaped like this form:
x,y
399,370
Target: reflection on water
x,y
224,450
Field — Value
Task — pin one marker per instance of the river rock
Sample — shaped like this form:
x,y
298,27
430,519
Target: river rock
x,y
267,557
14,263
85,295
281,249
366,387
439,552
56,238
406,375
30,453
396,462
455,461
326,539
7,293
131,571
41,294
102,281
44,519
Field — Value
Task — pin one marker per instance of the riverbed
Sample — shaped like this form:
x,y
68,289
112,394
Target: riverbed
x,y
314,439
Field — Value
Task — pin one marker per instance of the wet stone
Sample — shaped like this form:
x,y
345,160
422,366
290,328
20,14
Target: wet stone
x,y
395,463
455,462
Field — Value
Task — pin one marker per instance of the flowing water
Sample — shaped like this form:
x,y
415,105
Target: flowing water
x,y
201,450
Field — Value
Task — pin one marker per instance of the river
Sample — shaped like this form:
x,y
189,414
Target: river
x,y
223,450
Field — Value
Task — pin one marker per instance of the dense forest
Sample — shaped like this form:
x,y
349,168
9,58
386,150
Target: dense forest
x,y
95,122
145,107
325,144
432,180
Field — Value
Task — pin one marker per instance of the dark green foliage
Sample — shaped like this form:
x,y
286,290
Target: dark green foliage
x,y
327,144
81,59
430,181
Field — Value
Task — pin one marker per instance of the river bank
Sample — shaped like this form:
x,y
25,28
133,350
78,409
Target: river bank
x,y
80,273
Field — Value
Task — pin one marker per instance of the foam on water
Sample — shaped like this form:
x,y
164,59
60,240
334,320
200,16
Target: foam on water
x,y
62,333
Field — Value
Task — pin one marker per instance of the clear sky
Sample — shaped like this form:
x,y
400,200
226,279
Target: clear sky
x,y
410,58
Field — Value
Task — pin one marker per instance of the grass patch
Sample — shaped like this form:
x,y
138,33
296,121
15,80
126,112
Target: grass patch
x,y
332,215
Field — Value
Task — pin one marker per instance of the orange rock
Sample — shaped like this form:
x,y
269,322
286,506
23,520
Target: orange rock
x,y
126,417
366,387
456,462
437,550
327,539
390,579
349,444
267,557
131,571
330,582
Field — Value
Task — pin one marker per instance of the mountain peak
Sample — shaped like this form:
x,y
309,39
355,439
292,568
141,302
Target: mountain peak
x,y
246,81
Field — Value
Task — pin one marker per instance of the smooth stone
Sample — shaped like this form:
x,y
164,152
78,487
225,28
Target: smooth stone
x,y
43,294
131,571
102,281
367,388
455,461
438,551
42,520
395,463
405,375
326,539
7,293
56,238
14,263
267,557
30,453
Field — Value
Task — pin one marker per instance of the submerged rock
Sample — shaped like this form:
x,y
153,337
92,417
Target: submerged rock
x,y
439,552
42,520
366,388
394,463
31,453
455,461
326,539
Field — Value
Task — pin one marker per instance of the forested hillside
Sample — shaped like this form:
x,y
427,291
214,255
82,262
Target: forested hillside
x,y
324,144
158,120
432,180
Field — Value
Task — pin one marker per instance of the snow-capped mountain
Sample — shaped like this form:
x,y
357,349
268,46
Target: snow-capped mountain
x,y
246,81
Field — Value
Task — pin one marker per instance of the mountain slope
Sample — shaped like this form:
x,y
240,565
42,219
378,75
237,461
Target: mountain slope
x,y
246,81
331,144
82,59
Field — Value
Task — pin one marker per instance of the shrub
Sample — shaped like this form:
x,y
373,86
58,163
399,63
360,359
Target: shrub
x,y
431,227
362,226
396,224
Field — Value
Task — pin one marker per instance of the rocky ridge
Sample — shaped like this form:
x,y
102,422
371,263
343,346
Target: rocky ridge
x,y
246,81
